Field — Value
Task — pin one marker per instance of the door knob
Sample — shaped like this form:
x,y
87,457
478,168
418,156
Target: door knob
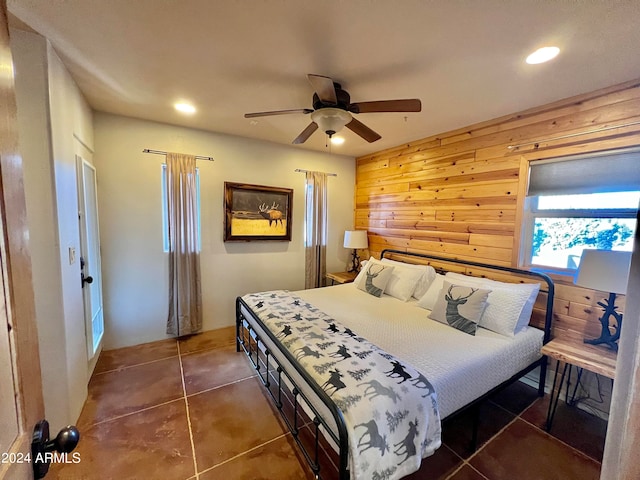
x,y
65,442
87,279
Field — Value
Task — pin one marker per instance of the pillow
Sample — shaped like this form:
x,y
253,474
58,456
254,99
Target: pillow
x,y
509,305
428,300
403,282
375,279
363,264
428,274
460,306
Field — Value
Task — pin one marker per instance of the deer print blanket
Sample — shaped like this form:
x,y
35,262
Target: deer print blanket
x,y
390,409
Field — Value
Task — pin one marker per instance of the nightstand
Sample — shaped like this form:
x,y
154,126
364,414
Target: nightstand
x,y
342,277
575,353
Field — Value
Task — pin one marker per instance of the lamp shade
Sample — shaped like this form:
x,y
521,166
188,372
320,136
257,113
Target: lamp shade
x,y
604,270
355,239
331,120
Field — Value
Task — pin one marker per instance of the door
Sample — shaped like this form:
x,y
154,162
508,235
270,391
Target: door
x,y
91,276
10,445
21,404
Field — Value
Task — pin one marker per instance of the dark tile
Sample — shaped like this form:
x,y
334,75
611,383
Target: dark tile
x,y
125,391
275,460
208,340
572,425
128,356
467,473
516,397
230,420
457,431
150,444
524,452
438,466
211,368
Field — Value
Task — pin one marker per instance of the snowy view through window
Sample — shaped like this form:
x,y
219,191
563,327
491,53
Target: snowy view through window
x,y
564,225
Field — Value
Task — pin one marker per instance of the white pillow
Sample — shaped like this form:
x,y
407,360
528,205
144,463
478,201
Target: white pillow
x,y
460,306
428,274
376,277
363,264
509,305
428,300
403,282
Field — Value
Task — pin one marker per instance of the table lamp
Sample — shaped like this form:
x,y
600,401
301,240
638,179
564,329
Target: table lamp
x,y
606,271
355,239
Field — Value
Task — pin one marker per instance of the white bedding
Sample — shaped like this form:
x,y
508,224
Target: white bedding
x,y
460,367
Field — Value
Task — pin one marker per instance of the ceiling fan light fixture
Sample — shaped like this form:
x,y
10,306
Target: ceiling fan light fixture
x,y
331,120
337,140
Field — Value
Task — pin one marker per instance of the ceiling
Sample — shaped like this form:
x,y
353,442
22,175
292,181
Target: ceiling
x,y
463,58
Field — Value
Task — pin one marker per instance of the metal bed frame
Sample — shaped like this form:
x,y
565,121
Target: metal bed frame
x,y
292,399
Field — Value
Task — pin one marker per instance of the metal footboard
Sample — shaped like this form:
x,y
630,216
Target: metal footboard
x,y
289,388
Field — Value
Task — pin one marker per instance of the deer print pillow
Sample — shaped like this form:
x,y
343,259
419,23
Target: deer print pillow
x,y
460,306
509,305
375,278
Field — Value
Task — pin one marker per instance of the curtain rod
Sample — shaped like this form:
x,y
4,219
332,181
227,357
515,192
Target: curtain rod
x,y
603,129
305,171
159,152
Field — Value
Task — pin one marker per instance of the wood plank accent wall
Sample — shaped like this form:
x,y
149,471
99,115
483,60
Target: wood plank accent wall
x,y
461,194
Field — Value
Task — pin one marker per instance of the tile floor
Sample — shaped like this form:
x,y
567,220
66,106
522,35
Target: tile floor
x,y
194,409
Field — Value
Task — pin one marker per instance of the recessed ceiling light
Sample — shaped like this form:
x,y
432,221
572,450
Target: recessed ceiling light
x,y
337,140
185,107
542,55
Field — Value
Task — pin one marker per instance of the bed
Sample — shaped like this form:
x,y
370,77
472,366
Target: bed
x,y
457,368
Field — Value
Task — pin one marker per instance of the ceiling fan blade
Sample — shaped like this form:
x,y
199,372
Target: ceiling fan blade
x,y
361,129
408,105
306,133
323,86
277,112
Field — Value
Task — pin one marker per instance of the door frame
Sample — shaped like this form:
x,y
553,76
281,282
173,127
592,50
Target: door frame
x,y
16,269
93,347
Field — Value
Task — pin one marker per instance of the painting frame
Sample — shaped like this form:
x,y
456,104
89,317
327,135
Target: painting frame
x,y
257,212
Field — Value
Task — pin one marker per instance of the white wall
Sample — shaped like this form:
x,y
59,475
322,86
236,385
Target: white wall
x,y
54,122
134,265
71,134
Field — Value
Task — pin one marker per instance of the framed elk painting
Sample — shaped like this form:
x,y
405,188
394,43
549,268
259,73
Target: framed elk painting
x,y
255,212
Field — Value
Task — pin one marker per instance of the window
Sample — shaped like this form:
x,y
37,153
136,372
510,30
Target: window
x,y
580,202
165,214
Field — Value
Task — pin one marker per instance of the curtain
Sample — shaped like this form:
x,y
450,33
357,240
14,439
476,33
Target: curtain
x,y
316,230
185,295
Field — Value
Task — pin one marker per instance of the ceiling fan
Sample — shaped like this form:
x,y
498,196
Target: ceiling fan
x,y
332,110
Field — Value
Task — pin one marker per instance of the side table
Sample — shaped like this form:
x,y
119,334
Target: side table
x,y
342,277
575,353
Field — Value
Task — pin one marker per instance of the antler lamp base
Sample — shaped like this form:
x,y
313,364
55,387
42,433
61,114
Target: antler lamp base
x,y
355,262
606,337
